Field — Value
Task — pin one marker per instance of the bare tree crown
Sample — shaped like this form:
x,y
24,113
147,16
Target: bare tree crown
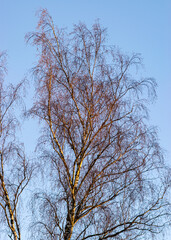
x,y
15,170
107,164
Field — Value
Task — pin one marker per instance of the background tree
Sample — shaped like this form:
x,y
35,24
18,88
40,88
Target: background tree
x,y
15,173
107,170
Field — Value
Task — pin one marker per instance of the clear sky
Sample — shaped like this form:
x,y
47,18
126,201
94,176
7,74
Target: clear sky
x,y
142,26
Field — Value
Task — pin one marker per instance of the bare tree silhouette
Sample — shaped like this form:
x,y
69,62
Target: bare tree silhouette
x,y
107,166
15,172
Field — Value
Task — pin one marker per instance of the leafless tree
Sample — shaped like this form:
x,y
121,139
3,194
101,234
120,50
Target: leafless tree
x,y
107,169
15,172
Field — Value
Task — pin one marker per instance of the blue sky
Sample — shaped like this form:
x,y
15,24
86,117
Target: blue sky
x,y
135,26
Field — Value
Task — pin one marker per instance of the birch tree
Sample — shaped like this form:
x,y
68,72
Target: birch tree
x,y
15,172
107,169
